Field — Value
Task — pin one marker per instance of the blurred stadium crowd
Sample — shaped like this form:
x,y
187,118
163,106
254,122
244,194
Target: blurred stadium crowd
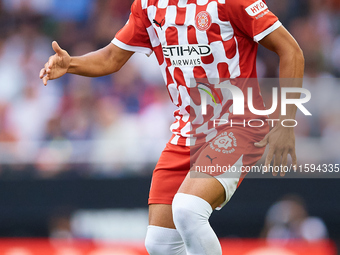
x,y
100,127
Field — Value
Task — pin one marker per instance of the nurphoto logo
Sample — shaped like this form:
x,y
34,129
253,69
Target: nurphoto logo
x,y
238,107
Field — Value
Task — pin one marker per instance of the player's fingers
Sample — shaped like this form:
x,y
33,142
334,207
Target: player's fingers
x,y
262,143
45,79
284,158
42,73
277,163
51,62
284,163
47,69
57,48
294,159
268,159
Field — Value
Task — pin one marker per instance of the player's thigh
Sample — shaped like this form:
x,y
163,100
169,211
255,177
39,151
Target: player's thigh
x,y
205,187
231,148
161,215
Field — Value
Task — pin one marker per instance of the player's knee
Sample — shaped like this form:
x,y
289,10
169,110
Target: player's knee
x,y
152,245
182,217
160,241
189,212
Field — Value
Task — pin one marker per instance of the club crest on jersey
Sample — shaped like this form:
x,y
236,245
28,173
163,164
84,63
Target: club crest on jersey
x,y
224,143
203,21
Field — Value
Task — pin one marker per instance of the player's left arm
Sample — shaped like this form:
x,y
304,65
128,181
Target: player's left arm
x,y
281,139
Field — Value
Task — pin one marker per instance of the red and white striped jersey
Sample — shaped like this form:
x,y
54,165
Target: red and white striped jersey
x,y
197,39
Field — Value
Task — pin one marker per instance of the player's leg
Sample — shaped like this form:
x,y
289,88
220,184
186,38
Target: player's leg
x,y
201,193
172,167
161,215
162,237
192,207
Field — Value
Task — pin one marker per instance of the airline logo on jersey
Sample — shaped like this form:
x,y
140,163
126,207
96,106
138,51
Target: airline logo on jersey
x,y
186,55
203,21
256,8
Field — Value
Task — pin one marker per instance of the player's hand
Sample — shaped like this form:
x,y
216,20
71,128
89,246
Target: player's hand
x,y
57,64
281,142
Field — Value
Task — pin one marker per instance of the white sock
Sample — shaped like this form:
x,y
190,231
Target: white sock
x,y
191,215
164,241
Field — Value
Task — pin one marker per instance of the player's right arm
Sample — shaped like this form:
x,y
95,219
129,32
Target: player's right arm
x,y
133,37
98,63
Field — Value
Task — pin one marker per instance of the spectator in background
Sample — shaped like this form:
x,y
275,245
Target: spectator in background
x,y
129,87
7,136
34,6
109,147
288,219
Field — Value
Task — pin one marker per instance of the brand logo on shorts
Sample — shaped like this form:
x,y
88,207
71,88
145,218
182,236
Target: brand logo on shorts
x,y
203,21
225,143
211,159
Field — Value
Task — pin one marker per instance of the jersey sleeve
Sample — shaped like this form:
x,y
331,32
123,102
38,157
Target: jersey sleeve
x,y
252,18
134,36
